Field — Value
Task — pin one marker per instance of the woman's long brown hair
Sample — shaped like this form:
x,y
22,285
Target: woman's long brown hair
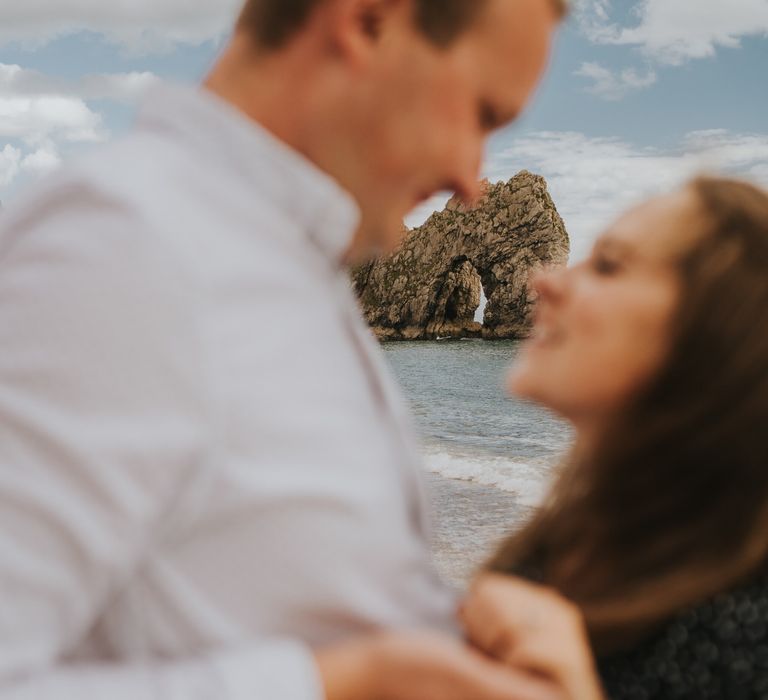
x,y
672,507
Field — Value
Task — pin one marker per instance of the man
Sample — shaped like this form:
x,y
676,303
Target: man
x,y
208,482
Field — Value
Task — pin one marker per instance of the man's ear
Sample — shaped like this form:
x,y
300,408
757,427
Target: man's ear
x,y
356,27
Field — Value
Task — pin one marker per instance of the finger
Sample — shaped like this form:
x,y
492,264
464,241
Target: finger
x,y
546,657
568,662
494,594
495,625
496,682
519,686
483,629
524,607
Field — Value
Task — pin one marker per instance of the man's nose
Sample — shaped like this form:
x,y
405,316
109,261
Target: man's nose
x,y
469,191
466,177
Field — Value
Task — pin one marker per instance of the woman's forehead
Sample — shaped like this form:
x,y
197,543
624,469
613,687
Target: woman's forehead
x,y
661,227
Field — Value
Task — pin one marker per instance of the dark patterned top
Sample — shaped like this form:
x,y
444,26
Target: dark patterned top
x,y
715,651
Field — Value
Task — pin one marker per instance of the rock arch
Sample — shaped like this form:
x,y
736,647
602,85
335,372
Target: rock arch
x,y
456,298
431,287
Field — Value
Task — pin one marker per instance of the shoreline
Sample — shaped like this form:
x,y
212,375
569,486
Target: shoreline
x,y
469,520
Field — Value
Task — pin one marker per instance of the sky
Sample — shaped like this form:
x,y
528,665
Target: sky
x,y
640,94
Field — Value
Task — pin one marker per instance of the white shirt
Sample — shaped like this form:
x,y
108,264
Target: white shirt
x,y
205,467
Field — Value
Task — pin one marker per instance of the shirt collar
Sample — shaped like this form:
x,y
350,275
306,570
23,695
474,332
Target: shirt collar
x,y
292,183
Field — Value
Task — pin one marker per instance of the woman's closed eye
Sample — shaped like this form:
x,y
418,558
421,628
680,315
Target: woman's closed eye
x,y
604,264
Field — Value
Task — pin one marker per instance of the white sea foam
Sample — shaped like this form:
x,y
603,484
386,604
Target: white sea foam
x,y
527,479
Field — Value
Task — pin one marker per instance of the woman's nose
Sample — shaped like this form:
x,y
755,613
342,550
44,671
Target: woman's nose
x,y
550,283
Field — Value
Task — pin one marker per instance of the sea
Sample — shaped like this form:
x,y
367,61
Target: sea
x,y
490,457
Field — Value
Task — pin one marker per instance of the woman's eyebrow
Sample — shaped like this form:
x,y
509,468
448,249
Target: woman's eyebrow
x,y
610,244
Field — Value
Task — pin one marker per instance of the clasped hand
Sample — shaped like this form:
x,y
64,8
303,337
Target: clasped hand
x,y
524,643
532,629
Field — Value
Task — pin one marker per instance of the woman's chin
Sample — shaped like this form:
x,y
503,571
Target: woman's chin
x,y
519,381
526,381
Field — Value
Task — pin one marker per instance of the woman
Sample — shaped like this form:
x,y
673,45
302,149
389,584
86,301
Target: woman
x,y
651,550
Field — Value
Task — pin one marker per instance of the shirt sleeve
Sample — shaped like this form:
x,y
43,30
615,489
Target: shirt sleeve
x,y
103,422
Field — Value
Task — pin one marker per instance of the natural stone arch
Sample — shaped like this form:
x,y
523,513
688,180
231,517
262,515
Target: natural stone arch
x,y
425,290
457,297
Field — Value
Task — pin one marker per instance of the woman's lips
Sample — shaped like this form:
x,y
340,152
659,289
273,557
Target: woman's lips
x,y
546,335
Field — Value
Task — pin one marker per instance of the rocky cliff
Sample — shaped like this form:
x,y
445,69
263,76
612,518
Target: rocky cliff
x,y
431,287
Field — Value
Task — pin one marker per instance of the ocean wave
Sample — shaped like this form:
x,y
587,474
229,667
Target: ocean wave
x,y
527,479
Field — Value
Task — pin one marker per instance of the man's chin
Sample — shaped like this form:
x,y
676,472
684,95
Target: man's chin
x,y
376,242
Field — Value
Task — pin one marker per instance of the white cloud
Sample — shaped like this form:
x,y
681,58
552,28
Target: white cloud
x,y
759,173
674,31
36,127
42,161
121,87
592,180
10,162
601,9
40,114
140,25
38,119
612,85
594,17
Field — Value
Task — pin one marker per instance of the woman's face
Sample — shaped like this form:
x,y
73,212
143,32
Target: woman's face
x,y
603,327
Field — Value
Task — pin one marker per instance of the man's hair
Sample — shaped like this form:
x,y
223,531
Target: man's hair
x,y
273,22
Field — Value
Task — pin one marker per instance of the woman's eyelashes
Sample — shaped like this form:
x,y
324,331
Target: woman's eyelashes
x,y
604,264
